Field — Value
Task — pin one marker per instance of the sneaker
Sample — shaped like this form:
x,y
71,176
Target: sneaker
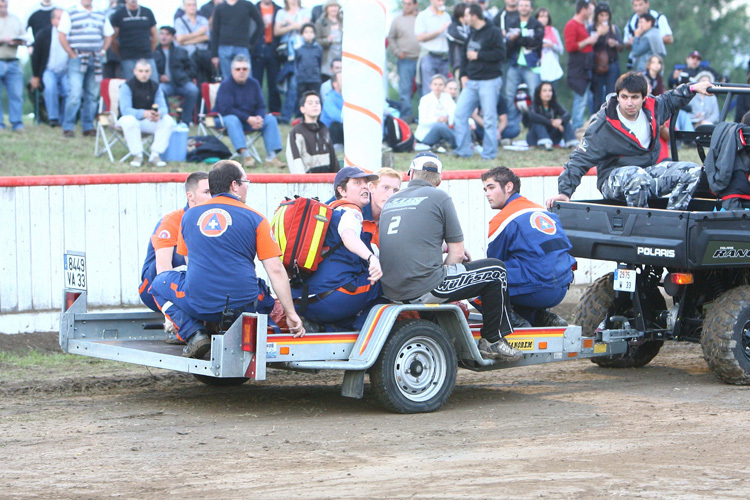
x,y
572,144
248,162
156,160
89,133
275,162
137,161
198,345
506,142
498,350
441,149
421,147
54,123
478,149
548,146
68,133
545,317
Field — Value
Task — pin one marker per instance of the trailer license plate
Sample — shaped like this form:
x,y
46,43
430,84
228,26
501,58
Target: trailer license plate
x,y
625,280
75,271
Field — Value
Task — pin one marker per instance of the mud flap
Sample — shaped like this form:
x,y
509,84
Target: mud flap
x,y
354,384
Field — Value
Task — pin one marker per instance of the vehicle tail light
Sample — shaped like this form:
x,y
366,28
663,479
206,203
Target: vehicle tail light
x,y
574,267
70,298
249,332
682,278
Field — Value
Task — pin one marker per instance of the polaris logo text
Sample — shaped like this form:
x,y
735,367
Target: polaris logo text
x,y
731,253
656,252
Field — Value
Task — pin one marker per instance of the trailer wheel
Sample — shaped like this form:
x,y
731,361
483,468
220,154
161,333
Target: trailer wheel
x,y
416,370
726,336
221,381
591,311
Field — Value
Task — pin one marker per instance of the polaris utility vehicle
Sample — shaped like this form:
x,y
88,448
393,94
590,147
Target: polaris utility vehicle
x,y
698,258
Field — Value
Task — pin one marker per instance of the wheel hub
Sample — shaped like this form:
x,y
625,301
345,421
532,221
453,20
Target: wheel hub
x,y
416,368
746,340
421,369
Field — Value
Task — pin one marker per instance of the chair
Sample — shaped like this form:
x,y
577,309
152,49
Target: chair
x,y
108,133
210,122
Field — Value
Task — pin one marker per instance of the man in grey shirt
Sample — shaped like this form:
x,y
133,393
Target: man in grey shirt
x,y
414,223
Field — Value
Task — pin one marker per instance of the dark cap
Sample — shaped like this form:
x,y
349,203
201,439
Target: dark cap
x,y
352,173
169,28
695,54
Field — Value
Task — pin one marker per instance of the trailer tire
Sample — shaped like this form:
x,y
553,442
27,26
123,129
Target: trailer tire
x,y
726,337
416,369
221,381
590,312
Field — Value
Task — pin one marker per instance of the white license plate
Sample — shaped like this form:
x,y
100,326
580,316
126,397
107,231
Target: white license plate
x,y
75,272
625,280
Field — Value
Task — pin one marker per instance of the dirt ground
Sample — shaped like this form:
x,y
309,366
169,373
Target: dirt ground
x,y
93,429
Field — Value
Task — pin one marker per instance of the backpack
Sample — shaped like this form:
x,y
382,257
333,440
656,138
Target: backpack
x,y
203,147
398,135
299,226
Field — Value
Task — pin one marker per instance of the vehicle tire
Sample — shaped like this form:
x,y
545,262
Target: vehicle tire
x,y
416,370
591,311
726,336
221,381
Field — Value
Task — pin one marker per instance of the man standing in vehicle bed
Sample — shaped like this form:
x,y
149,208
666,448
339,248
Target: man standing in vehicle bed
x,y
221,239
414,224
622,142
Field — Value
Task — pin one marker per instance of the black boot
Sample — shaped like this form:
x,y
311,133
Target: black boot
x,y
517,321
545,317
198,345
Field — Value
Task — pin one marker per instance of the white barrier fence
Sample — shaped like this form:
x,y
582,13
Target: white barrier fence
x,y
112,223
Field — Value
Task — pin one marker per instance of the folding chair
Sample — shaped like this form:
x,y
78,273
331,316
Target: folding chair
x,y
210,122
108,133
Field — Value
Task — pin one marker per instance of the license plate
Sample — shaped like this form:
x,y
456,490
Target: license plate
x,y
625,280
75,271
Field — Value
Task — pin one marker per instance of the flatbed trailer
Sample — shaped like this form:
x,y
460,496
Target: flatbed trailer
x,y
412,362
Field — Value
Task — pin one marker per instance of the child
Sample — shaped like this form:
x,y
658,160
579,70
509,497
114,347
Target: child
x,y
307,60
308,147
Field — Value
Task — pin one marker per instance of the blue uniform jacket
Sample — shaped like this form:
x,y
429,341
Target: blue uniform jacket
x,y
533,245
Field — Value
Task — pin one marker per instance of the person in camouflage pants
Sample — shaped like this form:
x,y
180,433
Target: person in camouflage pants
x,y
622,142
636,185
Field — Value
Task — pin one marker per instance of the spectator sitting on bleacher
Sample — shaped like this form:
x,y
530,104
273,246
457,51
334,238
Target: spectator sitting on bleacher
x,y
143,108
308,147
176,71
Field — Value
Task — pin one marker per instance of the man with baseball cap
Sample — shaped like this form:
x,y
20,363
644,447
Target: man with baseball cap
x,y
345,286
686,73
414,224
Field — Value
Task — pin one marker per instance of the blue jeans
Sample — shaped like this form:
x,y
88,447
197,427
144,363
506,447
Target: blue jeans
x,y
683,122
407,69
56,89
602,85
264,59
190,94
431,66
439,132
580,103
515,75
541,134
128,65
11,77
270,130
81,84
511,130
482,93
226,54
290,99
528,304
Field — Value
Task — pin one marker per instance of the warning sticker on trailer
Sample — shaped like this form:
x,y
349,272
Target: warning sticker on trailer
x,y
522,345
270,350
600,348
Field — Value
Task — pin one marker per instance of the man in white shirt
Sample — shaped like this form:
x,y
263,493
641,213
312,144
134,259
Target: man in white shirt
x,y
430,27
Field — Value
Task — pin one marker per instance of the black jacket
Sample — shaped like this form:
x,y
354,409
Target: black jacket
x,y
728,162
181,66
607,144
40,56
532,42
490,44
537,114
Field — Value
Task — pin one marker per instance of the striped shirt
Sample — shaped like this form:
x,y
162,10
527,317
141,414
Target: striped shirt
x,y
85,29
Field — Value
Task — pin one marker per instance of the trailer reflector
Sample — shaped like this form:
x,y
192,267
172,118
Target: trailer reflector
x,y
70,298
542,345
249,331
284,350
572,354
588,343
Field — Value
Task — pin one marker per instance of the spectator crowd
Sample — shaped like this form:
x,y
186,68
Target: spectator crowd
x,y
481,73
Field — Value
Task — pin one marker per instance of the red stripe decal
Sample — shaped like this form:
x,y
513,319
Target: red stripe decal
x,y
368,335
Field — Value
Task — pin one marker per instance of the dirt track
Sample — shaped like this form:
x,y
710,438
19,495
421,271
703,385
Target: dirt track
x,y
566,430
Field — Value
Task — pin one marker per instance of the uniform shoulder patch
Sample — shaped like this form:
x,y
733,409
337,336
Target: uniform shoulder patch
x,y
164,234
214,222
543,222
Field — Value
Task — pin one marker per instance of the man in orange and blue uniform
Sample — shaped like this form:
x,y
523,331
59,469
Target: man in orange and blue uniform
x,y
345,287
533,245
160,255
220,239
